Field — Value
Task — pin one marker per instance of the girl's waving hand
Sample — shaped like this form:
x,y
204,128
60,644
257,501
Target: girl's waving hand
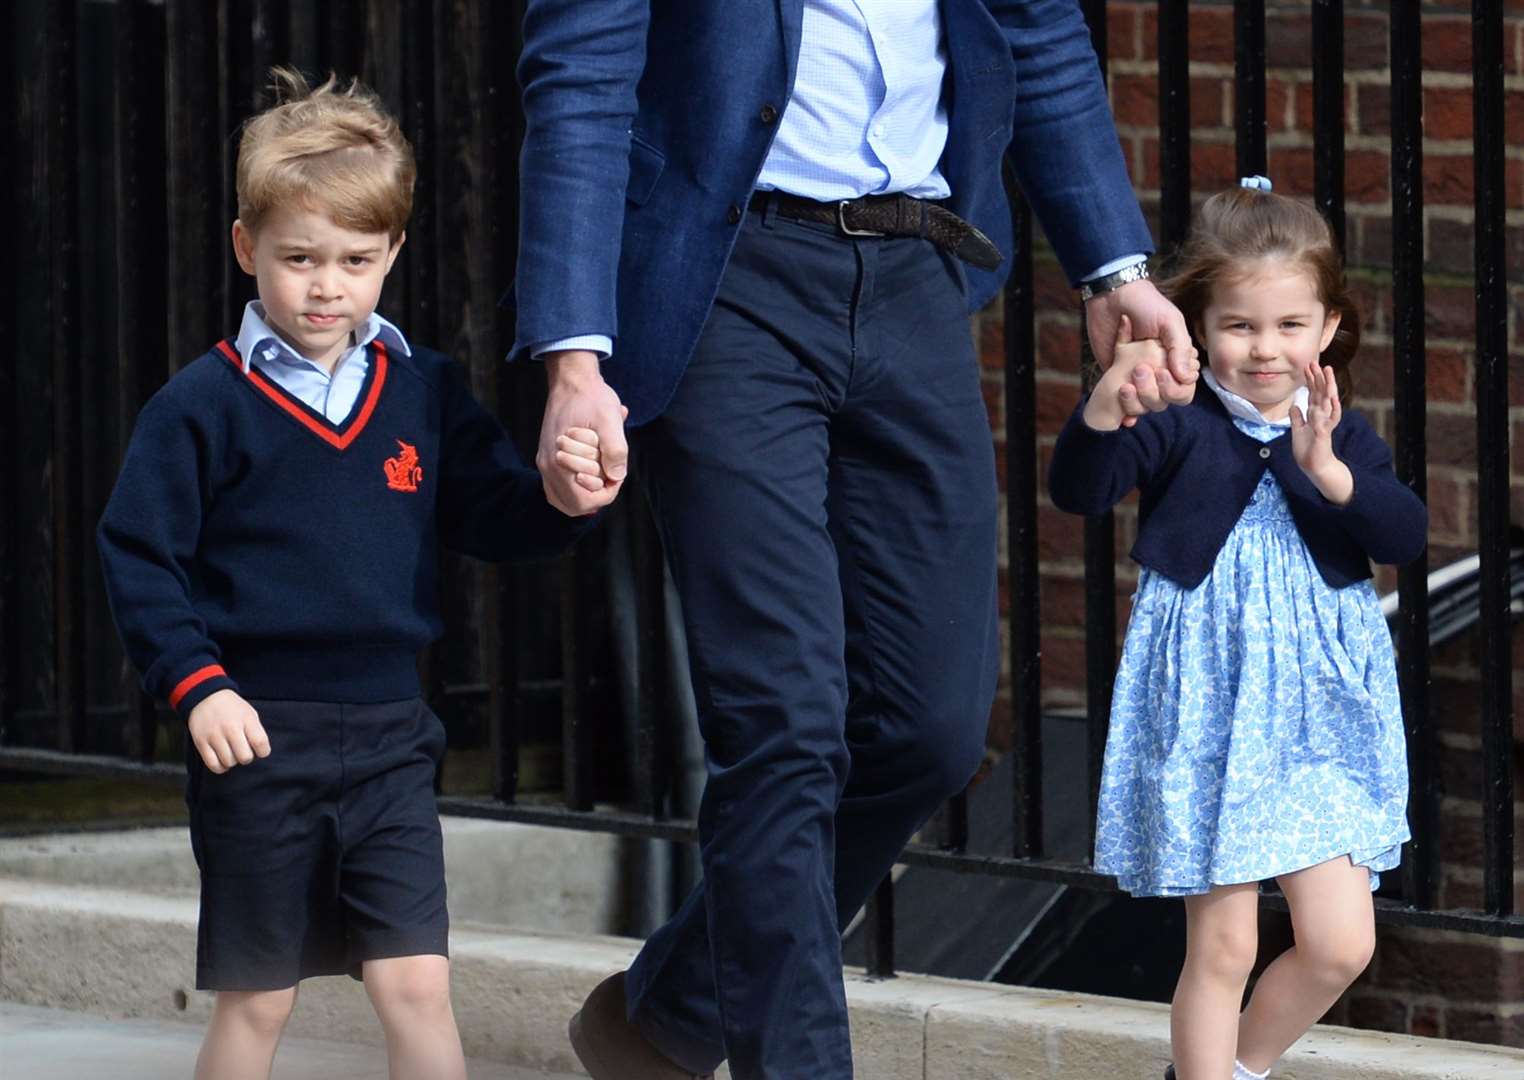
x,y
1312,436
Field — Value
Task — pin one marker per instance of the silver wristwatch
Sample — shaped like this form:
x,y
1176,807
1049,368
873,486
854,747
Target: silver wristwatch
x,y
1114,280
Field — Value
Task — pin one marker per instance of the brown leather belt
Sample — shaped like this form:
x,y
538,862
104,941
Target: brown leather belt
x,y
890,215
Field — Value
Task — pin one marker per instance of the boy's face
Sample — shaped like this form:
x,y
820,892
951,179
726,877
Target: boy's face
x,y
317,279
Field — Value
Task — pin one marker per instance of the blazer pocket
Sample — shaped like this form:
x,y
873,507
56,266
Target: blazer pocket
x,y
646,165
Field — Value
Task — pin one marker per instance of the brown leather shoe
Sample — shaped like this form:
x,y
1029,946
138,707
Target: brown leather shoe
x,y
612,1048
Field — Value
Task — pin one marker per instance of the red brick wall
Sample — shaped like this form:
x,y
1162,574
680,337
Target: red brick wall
x,y
1440,984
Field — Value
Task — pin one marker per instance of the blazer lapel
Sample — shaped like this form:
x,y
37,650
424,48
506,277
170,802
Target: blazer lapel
x,y
791,22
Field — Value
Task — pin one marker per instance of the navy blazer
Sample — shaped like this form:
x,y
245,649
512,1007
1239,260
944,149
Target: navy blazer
x,y
1197,471
645,134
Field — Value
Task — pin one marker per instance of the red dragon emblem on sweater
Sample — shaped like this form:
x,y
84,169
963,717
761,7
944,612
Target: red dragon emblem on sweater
x,y
403,472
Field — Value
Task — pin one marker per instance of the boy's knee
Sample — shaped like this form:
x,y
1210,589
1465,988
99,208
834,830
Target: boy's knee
x,y
410,984
264,1011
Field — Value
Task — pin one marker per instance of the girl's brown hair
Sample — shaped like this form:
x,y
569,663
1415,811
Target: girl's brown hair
x,y
331,147
1242,226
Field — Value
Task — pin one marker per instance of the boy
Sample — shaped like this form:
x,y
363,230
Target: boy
x,y
270,553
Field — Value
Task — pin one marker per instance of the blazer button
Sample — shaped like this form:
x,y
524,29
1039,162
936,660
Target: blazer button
x,y
768,114
1264,452
733,215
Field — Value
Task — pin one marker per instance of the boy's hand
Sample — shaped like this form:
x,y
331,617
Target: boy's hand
x,y
577,453
1139,375
1312,436
227,731
579,398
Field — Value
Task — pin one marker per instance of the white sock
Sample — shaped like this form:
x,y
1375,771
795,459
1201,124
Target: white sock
x,y
1241,1072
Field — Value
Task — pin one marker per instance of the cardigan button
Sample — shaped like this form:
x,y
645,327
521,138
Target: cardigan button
x,y
1264,452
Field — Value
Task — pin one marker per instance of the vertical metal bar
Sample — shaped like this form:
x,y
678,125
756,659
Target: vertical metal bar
x,y
650,593
1328,112
955,823
1100,562
879,943
236,82
1409,378
1249,85
1023,579
576,748
1492,456
1095,18
196,225
15,189
141,343
341,43
1174,122
63,221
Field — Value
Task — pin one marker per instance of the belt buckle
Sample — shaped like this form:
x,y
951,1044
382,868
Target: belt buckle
x,y
841,222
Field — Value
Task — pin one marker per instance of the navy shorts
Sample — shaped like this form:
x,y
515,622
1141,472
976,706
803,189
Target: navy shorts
x,y
325,854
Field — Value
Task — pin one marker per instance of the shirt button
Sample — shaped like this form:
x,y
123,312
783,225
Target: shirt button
x,y
1264,452
768,114
733,215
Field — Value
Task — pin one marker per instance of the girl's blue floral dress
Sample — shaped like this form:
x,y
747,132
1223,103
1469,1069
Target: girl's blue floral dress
x,y
1255,725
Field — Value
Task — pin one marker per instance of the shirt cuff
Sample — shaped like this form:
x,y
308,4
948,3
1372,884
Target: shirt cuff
x,y
601,344
1114,265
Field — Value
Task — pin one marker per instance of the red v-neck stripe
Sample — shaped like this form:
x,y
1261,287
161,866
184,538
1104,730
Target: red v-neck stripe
x,y
338,440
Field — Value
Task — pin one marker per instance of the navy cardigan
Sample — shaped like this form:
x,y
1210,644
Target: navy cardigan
x,y
1197,472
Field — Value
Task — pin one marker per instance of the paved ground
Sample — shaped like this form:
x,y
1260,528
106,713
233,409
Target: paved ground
x,y
51,1044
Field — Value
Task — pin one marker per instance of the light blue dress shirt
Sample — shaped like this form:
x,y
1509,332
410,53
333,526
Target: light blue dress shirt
x,y
866,116
333,395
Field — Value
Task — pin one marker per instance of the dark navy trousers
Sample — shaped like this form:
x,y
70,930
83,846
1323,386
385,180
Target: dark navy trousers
x,y
824,481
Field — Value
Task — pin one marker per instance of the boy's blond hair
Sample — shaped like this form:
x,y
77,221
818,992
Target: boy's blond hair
x,y
330,148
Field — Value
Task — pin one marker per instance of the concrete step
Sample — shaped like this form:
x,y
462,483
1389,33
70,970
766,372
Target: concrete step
x,y
127,954
498,872
54,1044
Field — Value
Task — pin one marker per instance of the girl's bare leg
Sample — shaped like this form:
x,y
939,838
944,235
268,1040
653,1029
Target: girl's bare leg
x,y
1221,941
1333,921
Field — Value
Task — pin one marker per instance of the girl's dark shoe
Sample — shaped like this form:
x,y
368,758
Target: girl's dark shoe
x,y
1169,1072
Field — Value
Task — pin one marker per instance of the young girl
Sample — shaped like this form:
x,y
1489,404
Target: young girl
x,y
1255,730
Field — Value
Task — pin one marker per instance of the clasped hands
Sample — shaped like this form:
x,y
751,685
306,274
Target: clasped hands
x,y
1158,370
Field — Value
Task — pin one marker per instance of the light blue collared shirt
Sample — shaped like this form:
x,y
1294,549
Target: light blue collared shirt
x,y
866,116
332,395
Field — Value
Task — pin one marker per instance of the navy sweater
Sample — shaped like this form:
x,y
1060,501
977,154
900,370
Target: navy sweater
x,y
1197,471
251,544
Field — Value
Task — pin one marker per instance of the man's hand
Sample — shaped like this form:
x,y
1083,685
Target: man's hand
x,y
226,731
1152,317
579,398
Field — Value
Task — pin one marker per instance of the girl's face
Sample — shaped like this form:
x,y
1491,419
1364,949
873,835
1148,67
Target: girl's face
x,y
1262,330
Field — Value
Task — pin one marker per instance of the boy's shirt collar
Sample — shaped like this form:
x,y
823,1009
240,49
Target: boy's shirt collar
x,y
256,338
1243,409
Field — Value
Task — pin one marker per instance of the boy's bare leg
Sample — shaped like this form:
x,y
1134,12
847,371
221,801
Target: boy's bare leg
x,y
411,995
1221,940
243,1034
1334,924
